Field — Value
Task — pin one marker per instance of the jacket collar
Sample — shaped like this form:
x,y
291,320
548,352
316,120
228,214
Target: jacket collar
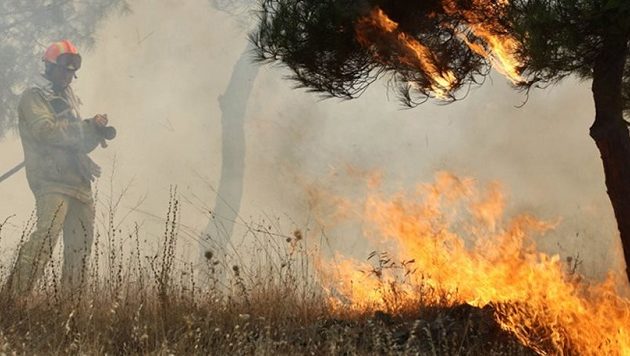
x,y
45,86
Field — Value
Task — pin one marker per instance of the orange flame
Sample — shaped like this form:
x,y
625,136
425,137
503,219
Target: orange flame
x,y
413,52
439,257
502,47
489,42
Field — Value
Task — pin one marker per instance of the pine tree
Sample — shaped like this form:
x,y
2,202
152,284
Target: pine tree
x,y
438,48
233,105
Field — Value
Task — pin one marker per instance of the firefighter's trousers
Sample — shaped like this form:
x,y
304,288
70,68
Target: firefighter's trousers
x,y
56,213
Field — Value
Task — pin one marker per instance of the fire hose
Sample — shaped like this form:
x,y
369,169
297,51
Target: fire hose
x,y
12,171
108,133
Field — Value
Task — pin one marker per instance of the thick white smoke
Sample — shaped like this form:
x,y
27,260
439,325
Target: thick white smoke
x,y
159,71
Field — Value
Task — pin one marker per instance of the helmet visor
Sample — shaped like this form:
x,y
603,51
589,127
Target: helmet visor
x,y
69,61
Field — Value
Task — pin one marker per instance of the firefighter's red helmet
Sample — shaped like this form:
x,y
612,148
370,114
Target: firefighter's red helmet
x,y
63,53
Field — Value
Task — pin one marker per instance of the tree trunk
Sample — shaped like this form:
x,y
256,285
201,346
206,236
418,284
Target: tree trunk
x,y
233,104
610,132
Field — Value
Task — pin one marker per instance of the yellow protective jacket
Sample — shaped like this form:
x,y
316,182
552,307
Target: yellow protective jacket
x,y
56,143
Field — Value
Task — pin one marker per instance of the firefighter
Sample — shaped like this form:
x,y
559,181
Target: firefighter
x,y
56,143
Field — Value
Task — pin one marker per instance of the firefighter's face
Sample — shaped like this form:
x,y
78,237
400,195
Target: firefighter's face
x,y
61,77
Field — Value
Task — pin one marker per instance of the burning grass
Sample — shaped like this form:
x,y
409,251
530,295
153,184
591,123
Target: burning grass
x,y
449,244
270,308
432,294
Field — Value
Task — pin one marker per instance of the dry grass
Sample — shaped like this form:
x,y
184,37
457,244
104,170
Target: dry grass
x,y
132,303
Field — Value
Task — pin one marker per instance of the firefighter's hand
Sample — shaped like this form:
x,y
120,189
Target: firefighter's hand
x,y
100,120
